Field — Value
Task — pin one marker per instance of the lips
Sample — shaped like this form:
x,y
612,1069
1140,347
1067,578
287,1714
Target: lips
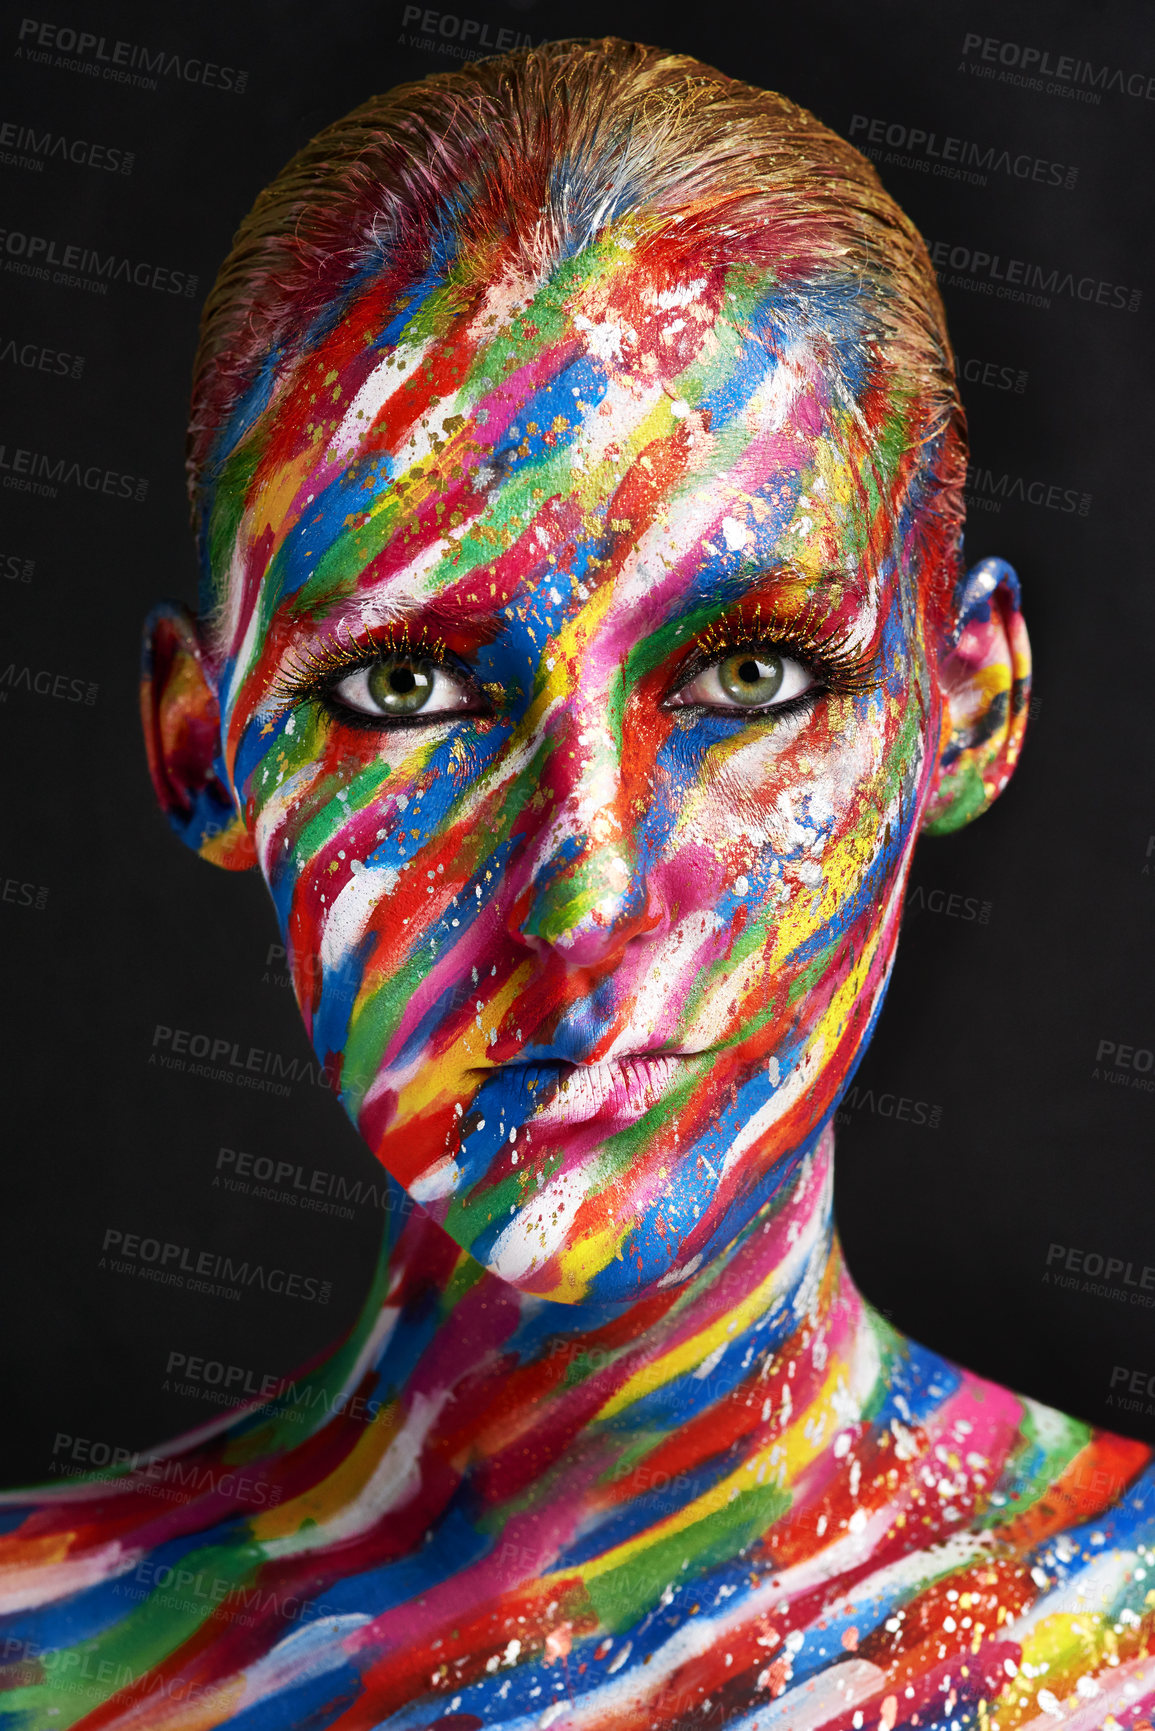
x,y
621,1088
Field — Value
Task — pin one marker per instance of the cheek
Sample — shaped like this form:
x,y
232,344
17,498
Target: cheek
x,y
329,804
793,840
334,818
793,798
385,854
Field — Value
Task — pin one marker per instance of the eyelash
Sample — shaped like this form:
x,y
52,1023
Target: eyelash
x,y
839,666
830,655
319,669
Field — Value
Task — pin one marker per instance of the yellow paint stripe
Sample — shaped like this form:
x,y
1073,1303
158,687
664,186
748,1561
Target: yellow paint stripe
x,y
578,1263
784,1458
688,1353
436,1084
211,1707
1059,1649
18,1553
271,509
322,1501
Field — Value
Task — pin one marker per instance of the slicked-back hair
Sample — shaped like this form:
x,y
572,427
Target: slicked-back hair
x,y
518,163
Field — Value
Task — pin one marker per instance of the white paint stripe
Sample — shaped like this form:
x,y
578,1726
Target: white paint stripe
x,y
819,1699
393,370
395,1480
31,1586
541,1227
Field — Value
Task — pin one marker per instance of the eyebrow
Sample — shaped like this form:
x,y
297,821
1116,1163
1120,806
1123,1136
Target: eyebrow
x,y
727,590
476,607
480,617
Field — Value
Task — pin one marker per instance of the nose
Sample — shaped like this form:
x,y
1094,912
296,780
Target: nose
x,y
582,887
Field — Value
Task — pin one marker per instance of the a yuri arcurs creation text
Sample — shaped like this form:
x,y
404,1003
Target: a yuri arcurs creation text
x,y
584,643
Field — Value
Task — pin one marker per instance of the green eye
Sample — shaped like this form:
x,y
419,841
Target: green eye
x,y
401,684
751,679
400,687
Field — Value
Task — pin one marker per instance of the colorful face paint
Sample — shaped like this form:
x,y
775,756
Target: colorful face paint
x,y
584,682
745,1501
577,694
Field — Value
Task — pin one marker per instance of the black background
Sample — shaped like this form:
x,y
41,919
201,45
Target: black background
x,y
993,1024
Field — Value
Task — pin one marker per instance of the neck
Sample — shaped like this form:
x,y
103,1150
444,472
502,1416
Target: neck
x,y
472,1460
640,1404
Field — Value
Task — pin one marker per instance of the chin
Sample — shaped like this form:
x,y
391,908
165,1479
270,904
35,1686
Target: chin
x,y
617,1284
544,1252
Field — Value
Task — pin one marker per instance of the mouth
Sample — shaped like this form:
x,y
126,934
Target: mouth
x,y
620,1090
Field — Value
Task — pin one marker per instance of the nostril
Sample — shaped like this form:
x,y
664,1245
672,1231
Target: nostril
x,y
600,933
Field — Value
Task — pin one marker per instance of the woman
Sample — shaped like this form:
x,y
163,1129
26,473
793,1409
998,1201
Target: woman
x,y
583,646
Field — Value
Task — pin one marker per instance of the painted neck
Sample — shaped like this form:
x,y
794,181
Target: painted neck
x,y
511,1384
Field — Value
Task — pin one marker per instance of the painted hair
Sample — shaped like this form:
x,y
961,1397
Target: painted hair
x,y
519,162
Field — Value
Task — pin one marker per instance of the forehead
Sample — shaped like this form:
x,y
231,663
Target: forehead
x,y
696,418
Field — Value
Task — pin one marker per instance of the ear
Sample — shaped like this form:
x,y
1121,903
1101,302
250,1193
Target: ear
x,y
985,679
182,725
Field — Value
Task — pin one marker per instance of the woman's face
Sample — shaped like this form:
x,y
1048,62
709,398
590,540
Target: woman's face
x,y
575,685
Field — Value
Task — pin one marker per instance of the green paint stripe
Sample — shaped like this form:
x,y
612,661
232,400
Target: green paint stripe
x,y
146,1638
622,1596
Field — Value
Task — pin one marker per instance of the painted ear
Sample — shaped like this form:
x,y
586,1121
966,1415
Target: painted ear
x,y
182,724
986,682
